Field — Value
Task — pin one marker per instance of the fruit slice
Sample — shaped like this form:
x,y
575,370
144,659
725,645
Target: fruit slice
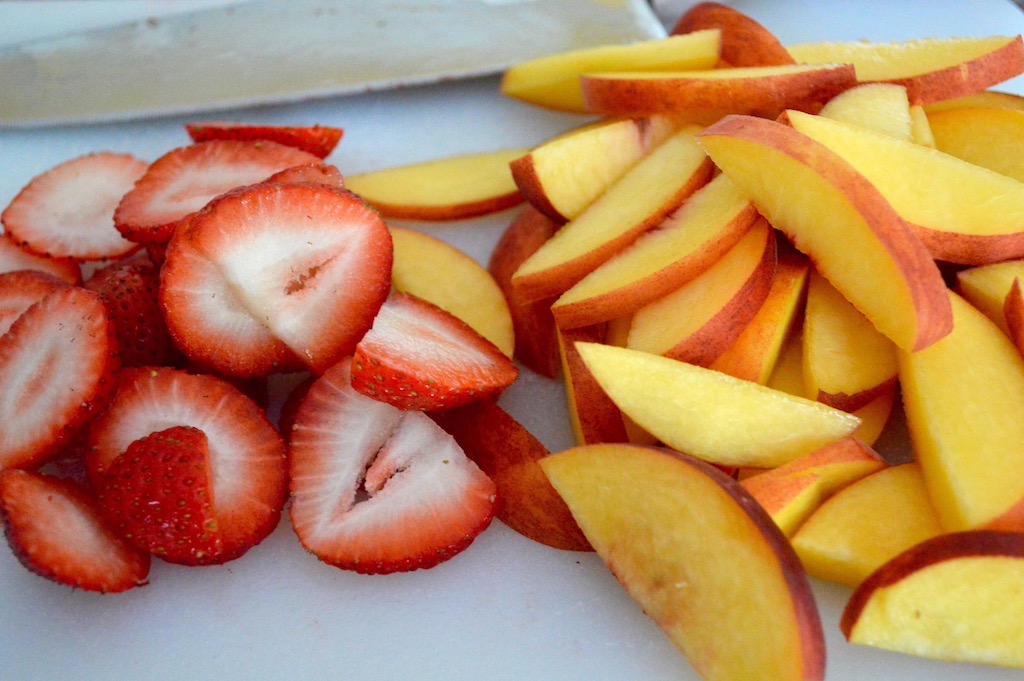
x,y
932,69
763,90
308,265
882,107
68,210
593,416
946,598
13,258
318,173
745,42
986,287
961,397
20,290
711,415
55,531
247,455
186,178
684,245
439,273
1013,311
866,524
987,137
563,175
58,364
417,356
841,221
450,188
962,212
699,556
318,140
375,489
984,99
552,81
638,201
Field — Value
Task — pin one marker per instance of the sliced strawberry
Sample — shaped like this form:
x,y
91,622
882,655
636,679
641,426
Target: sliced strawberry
x,y
68,210
130,288
184,179
247,455
55,530
304,265
158,495
318,140
376,489
58,364
418,356
317,173
14,258
20,290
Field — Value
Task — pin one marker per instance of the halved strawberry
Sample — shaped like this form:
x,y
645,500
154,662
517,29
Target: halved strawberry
x,y
317,173
247,455
302,265
20,290
376,489
55,530
14,258
158,495
68,210
58,363
318,140
129,288
418,356
184,179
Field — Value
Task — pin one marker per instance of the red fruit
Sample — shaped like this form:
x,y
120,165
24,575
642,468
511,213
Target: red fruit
x,y
270,272
58,364
20,290
376,489
158,495
68,211
247,455
418,356
14,258
318,140
186,178
55,530
129,288
317,173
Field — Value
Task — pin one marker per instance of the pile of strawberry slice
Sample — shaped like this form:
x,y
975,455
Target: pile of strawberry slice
x,y
141,307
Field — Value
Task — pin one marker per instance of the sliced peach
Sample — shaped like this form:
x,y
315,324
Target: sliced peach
x,y
638,201
984,99
874,416
882,107
1013,311
788,373
699,556
989,137
711,415
686,243
866,524
920,128
700,320
552,81
986,287
745,42
594,417
840,220
564,175
451,188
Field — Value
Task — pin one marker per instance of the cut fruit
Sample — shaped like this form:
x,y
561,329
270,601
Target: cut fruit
x,y
745,42
882,107
989,137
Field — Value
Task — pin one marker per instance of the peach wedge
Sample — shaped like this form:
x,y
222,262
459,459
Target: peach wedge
x,y
882,107
989,137
699,556
745,42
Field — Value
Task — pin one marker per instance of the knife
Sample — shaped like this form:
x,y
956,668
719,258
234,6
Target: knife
x,y
276,51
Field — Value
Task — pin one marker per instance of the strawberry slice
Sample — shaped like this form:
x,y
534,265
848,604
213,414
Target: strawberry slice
x,y
185,179
418,356
14,258
319,140
58,363
55,530
158,495
67,211
246,454
376,489
20,290
317,173
306,265
129,288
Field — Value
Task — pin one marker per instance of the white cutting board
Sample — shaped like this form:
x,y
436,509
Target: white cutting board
x,y
506,608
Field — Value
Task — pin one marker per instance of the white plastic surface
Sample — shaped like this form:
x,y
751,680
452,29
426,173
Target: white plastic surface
x,y
506,608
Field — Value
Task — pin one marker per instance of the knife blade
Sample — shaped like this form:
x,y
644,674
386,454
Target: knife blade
x,y
269,51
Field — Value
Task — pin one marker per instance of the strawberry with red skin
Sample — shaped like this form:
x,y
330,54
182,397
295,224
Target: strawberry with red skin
x,y
376,489
14,258
246,453
319,140
68,210
20,290
158,495
271,272
58,369
186,178
129,288
418,356
55,530
317,173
